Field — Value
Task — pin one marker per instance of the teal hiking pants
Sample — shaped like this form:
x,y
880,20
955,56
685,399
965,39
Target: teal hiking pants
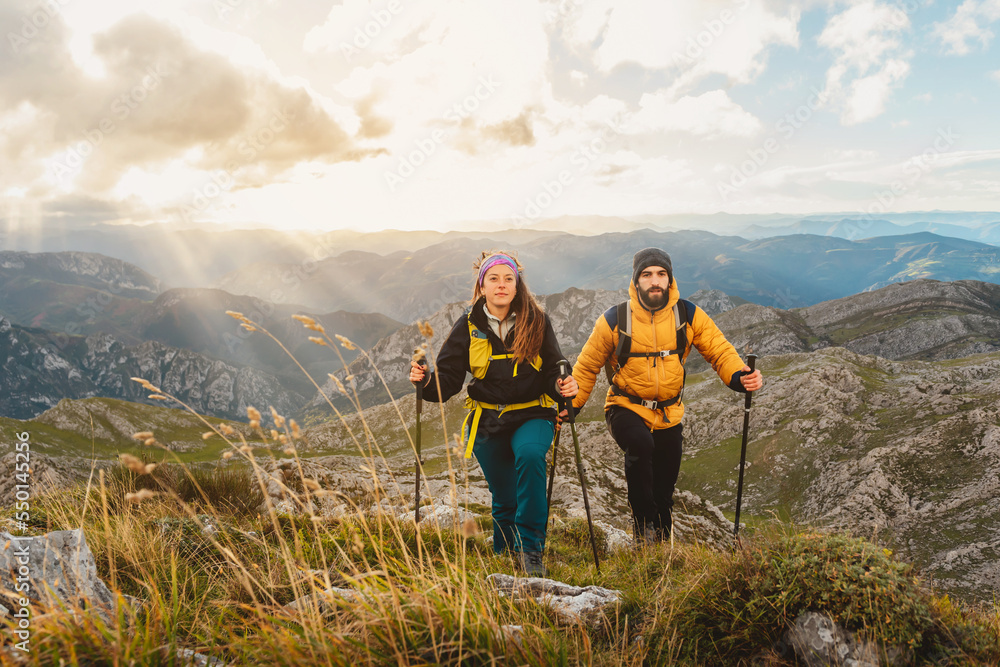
x,y
514,467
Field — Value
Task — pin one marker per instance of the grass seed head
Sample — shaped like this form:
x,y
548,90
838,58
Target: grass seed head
x,y
426,330
318,340
146,384
142,435
133,464
227,455
253,413
207,434
345,343
141,495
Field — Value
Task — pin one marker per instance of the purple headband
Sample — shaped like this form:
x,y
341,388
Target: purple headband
x,y
493,260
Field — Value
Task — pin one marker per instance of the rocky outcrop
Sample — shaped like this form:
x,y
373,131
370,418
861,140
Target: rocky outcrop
x,y
818,641
47,473
908,451
570,604
917,319
41,369
60,571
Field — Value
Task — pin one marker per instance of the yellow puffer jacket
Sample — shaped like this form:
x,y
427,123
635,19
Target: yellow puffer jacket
x,y
658,379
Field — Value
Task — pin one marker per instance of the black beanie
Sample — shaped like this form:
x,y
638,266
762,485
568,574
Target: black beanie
x,y
648,257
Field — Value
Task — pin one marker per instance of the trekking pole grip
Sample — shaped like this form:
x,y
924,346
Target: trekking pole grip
x,y
564,372
419,386
751,362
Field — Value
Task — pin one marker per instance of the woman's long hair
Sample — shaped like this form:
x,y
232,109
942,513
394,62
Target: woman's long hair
x,y
529,326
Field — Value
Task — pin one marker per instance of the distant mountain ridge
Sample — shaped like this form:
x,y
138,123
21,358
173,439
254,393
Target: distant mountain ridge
x,y
788,271
855,228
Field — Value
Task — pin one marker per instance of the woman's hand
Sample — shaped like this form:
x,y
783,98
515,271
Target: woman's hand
x,y
568,387
417,372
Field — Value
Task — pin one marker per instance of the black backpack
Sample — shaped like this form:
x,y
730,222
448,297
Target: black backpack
x,y
683,316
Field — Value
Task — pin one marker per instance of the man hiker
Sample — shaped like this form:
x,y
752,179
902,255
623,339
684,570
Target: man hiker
x,y
643,344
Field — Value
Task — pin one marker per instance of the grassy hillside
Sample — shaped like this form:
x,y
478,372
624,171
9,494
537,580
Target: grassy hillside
x,y
371,589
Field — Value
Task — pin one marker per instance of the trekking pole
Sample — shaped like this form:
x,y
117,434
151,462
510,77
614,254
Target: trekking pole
x,y
564,373
751,360
552,474
416,440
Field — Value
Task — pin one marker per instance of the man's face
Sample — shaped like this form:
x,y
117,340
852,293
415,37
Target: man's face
x,y
653,285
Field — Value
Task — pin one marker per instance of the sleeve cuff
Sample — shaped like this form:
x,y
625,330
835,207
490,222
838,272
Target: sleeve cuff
x,y
735,384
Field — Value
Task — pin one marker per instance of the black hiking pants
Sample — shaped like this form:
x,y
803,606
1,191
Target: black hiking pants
x,y
652,462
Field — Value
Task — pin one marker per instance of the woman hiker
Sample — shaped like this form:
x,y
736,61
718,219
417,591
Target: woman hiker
x,y
507,343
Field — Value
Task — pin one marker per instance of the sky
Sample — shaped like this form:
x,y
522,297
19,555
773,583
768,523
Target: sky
x,y
440,114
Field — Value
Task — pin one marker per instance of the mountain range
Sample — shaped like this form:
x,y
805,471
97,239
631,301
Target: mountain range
x,y
787,271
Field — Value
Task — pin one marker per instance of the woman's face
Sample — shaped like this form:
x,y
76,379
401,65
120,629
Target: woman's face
x,y
499,286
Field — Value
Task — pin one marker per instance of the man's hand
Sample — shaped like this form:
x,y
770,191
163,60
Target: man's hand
x,y
753,381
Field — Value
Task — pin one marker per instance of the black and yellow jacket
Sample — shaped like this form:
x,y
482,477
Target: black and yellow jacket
x,y
503,382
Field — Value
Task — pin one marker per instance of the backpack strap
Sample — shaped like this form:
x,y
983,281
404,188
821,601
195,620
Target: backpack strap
x,y
683,316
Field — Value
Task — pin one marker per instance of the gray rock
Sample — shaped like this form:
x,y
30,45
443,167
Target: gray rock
x,y
324,600
571,604
189,658
818,641
61,568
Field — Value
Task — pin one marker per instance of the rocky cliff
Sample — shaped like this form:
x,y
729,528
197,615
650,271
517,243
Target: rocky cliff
x,y
40,369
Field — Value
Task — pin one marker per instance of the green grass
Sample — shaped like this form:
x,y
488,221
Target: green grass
x,y
421,591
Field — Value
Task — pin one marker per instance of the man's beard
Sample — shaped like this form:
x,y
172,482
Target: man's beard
x,y
653,301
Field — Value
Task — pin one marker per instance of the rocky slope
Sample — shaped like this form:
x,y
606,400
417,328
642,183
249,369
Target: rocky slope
x,y
40,369
907,451
919,319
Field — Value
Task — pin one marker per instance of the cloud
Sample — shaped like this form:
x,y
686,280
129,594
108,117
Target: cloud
x,y
693,39
969,23
161,99
514,132
871,60
711,115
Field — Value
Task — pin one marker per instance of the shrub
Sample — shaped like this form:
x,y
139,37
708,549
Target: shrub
x,y
228,488
744,603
